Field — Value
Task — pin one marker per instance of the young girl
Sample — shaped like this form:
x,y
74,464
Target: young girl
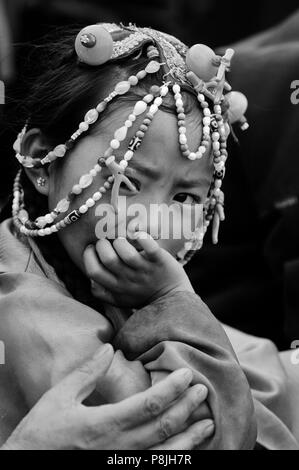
x,y
152,124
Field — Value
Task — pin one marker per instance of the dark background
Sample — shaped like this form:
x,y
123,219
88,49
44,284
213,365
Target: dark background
x,y
215,23
249,280
210,21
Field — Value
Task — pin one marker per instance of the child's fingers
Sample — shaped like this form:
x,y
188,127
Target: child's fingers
x,y
108,256
96,271
149,245
128,253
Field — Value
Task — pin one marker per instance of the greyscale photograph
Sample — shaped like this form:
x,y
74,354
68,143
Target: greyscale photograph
x,y
149,228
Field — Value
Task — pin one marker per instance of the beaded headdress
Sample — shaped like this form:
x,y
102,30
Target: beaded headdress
x,y
197,68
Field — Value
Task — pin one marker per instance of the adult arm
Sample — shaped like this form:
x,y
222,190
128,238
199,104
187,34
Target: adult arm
x,y
154,419
179,330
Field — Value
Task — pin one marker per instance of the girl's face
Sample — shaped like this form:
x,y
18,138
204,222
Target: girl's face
x,y
158,170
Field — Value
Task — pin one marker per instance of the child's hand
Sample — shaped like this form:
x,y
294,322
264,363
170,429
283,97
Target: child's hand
x,y
124,277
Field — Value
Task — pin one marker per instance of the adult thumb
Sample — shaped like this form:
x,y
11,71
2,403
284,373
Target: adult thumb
x,y
80,383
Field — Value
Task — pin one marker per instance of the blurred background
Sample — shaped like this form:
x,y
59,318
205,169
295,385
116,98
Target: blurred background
x,y
251,279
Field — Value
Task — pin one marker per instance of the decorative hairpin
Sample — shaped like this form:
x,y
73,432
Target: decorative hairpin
x,y
94,45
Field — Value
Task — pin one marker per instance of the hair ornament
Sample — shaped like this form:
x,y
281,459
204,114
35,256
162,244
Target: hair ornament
x,y
94,45
238,105
202,60
207,71
119,177
197,69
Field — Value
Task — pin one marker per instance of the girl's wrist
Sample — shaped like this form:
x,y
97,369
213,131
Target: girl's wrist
x,y
183,287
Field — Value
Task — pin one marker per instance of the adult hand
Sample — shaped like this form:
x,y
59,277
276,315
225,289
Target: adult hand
x,y
155,419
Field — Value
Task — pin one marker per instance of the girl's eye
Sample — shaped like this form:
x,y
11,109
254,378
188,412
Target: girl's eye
x,y
185,198
135,182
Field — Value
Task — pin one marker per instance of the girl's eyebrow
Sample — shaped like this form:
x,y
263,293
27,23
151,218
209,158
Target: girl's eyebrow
x,y
146,169
154,173
193,183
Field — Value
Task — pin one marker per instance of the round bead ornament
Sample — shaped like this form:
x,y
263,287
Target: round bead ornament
x,y
94,45
238,105
202,60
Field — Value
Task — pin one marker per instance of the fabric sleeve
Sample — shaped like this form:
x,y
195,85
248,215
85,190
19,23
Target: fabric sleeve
x,y
177,331
46,332
274,383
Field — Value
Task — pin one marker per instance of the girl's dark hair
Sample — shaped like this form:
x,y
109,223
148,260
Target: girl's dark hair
x,y
64,89
59,90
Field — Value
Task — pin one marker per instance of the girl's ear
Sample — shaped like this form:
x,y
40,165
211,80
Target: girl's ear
x,y
34,145
227,129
